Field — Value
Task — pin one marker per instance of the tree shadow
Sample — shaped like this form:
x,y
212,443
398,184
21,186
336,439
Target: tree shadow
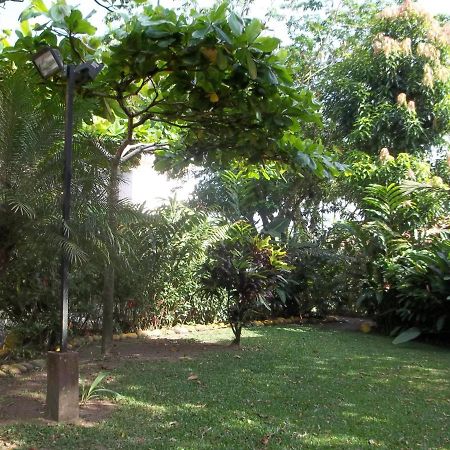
x,y
289,387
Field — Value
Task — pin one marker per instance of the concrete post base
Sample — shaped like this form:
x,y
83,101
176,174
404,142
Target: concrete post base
x,y
62,386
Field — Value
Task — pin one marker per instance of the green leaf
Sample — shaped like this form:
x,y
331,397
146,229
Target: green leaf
x,y
59,11
98,379
235,23
107,110
201,33
77,25
25,27
221,61
278,226
39,6
267,44
282,294
84,27
253,30
219,13
251,66
28,13
407,335
270,76
222,35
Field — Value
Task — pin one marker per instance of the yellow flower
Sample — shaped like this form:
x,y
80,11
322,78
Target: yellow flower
x,y
388,13
411,106
405,46
428,51
377,47
384,154
442,73
401,99
428,80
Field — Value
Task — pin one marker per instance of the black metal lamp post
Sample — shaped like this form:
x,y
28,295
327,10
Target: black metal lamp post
x,y
62,370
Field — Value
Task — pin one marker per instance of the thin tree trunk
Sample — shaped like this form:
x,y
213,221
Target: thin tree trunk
x,y
237,330
109,275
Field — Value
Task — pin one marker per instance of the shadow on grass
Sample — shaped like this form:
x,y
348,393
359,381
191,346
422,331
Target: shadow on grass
x,y
292,387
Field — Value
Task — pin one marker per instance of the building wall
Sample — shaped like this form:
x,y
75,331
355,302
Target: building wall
x,y
144,185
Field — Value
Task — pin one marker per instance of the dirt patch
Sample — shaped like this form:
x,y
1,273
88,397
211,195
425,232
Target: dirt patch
x,y
348,323
23,398
151,349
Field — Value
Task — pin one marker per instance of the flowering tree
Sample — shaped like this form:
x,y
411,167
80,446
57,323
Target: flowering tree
x,y
392,90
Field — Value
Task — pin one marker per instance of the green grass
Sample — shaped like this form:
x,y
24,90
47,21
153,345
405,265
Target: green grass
x,y
304,388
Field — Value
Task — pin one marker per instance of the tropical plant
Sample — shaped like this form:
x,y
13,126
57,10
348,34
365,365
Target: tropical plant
x,y
422,282
161,286
31,139
248,268
404,284
92,391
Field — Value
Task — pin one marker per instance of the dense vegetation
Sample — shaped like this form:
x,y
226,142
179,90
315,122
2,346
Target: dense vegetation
x,y
324,186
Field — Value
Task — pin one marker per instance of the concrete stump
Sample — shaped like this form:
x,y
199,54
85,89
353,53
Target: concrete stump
x,y
62,386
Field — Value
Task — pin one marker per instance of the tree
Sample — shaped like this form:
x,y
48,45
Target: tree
x,y
207,85
391,90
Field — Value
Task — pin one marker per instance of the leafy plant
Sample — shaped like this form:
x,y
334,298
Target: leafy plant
x,y
248,268
91,391
405,284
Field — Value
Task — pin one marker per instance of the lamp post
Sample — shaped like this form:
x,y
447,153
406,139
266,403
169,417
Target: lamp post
x,y
62,366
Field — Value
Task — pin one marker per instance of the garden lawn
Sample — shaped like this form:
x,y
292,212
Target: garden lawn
x,y
289,388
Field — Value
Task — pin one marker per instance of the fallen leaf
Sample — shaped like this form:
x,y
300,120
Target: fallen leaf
x,y
265,439
192,377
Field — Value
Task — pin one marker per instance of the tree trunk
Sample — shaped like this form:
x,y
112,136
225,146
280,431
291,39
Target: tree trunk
x,y
237,329
109,274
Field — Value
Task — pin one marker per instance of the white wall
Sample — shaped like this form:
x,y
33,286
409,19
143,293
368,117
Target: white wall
x,y
144,185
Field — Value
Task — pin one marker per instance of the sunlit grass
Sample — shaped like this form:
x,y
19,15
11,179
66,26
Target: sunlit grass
x,y
288,388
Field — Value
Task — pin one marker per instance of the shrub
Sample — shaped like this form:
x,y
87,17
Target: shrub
x,y
248,268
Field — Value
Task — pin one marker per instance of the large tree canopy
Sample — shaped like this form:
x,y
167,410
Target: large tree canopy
x,y
204,87
392,89
212,75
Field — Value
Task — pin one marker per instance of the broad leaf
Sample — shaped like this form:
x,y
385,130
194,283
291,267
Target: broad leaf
x,y
253,30
407,335
236,24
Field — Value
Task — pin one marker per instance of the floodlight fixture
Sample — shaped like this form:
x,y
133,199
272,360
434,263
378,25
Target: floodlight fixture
x,y
87,71
48,62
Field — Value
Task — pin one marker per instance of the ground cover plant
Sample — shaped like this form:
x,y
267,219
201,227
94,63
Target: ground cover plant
x,y
321,389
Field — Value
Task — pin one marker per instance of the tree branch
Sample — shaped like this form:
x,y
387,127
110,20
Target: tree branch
x,y
108,8
133,150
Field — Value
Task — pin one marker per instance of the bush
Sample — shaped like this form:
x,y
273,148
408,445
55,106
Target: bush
x,y
248,268
159,285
